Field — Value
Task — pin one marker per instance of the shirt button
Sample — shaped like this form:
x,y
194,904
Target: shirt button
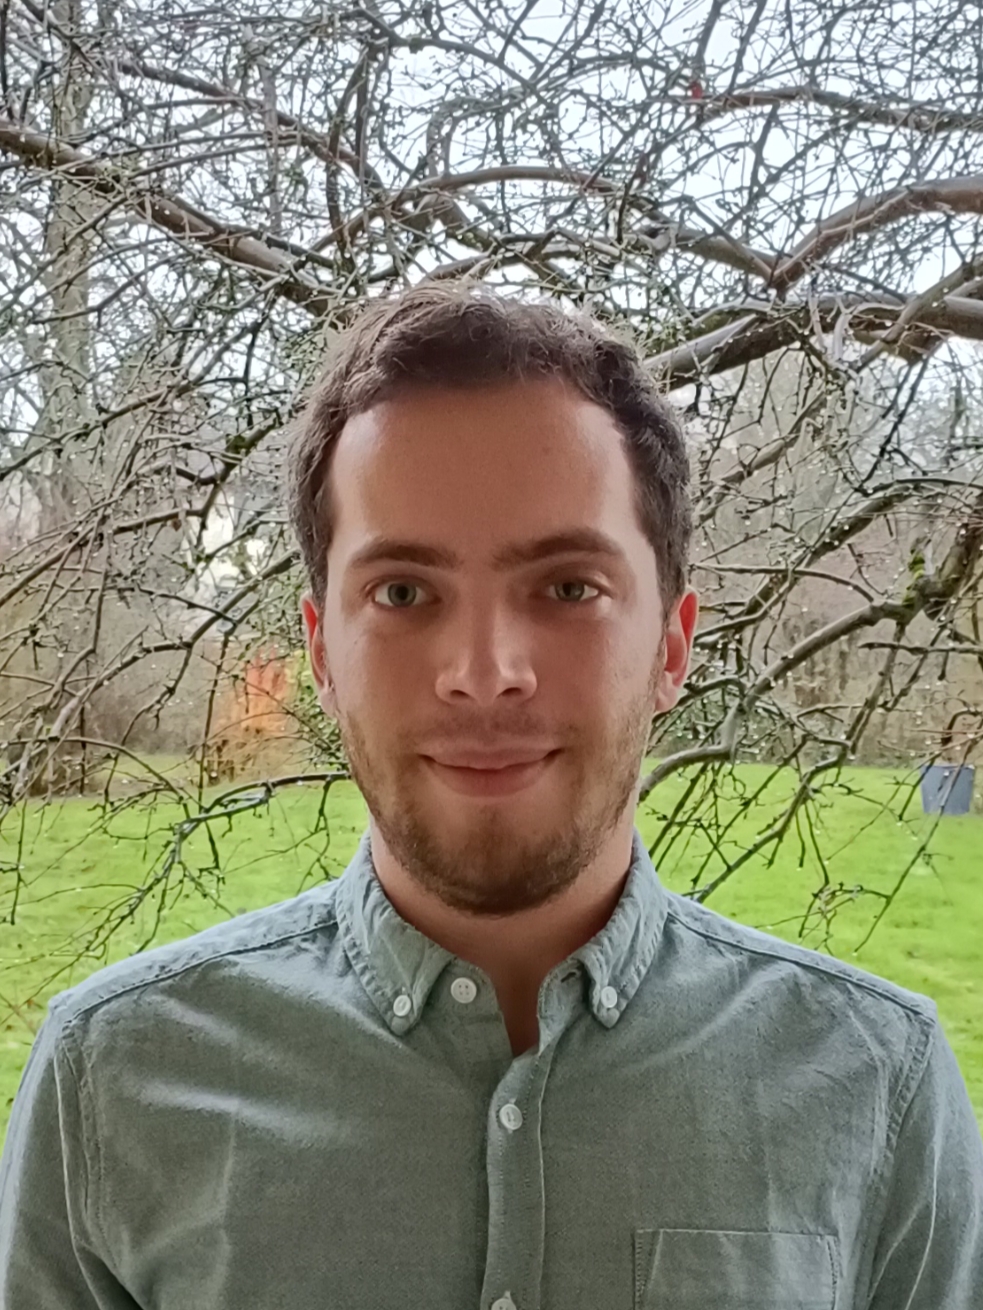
x,y
503,1303
463,990
402,1006
510,1116
609,998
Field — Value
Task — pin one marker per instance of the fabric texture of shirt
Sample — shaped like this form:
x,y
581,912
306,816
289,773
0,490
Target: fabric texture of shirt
x,y
315,1107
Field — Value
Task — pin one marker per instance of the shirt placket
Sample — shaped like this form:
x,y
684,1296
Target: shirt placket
x,y
514,1159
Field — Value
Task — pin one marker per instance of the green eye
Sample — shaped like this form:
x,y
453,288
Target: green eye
x,y
575,582
397,586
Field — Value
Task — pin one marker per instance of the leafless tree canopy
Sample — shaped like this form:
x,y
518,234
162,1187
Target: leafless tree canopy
x,y
783,202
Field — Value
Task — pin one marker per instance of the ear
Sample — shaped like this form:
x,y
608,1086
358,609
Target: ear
x,y
678,638
314,632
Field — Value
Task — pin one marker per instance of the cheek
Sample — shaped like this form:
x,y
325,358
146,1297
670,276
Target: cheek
x,y
608,670
381,689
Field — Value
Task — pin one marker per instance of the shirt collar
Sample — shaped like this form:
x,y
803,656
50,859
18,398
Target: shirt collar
x,y
397,965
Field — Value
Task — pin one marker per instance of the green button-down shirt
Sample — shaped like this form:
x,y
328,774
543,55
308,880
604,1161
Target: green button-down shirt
x,y
315,1107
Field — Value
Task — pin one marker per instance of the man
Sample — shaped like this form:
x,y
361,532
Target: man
x,y
496,1064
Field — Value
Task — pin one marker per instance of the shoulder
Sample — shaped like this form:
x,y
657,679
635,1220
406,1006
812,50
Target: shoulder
x,y
807,991
261,932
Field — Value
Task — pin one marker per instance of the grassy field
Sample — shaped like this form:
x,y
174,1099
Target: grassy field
x,y
77,871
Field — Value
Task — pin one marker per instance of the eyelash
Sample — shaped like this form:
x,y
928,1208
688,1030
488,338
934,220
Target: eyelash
x,y
409,582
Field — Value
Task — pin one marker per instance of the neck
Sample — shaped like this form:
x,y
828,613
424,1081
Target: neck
x,y
517,950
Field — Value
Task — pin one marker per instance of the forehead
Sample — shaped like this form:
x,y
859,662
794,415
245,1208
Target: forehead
x,y
479,466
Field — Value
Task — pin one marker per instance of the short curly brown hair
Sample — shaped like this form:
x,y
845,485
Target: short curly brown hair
x,y
452,336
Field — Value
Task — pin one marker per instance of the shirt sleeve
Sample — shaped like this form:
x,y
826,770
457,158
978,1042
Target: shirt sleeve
x,y
929,1247
50,1258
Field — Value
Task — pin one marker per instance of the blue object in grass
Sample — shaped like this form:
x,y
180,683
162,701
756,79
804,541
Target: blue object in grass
x,y
947,788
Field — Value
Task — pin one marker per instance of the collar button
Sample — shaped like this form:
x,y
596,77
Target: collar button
x,y
463,990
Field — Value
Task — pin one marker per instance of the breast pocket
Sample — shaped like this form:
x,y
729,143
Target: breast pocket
x,y
699,1269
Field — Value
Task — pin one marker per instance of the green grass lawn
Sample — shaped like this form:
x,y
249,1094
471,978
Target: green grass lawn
x,y
76,870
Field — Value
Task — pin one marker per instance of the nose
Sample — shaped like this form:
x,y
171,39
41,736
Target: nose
x,y
486,652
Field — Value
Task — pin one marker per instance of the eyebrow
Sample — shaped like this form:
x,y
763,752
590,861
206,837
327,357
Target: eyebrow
x,y
573,541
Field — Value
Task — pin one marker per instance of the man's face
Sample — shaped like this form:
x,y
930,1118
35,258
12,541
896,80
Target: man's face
x,y
569,654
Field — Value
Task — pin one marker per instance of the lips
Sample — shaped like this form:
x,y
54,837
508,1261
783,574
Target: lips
x,y
492,760
503,781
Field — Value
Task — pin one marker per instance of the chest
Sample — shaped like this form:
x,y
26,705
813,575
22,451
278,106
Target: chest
x,y
626,1190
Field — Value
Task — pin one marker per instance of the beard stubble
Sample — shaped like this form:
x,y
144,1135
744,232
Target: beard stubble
x,y
482,861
